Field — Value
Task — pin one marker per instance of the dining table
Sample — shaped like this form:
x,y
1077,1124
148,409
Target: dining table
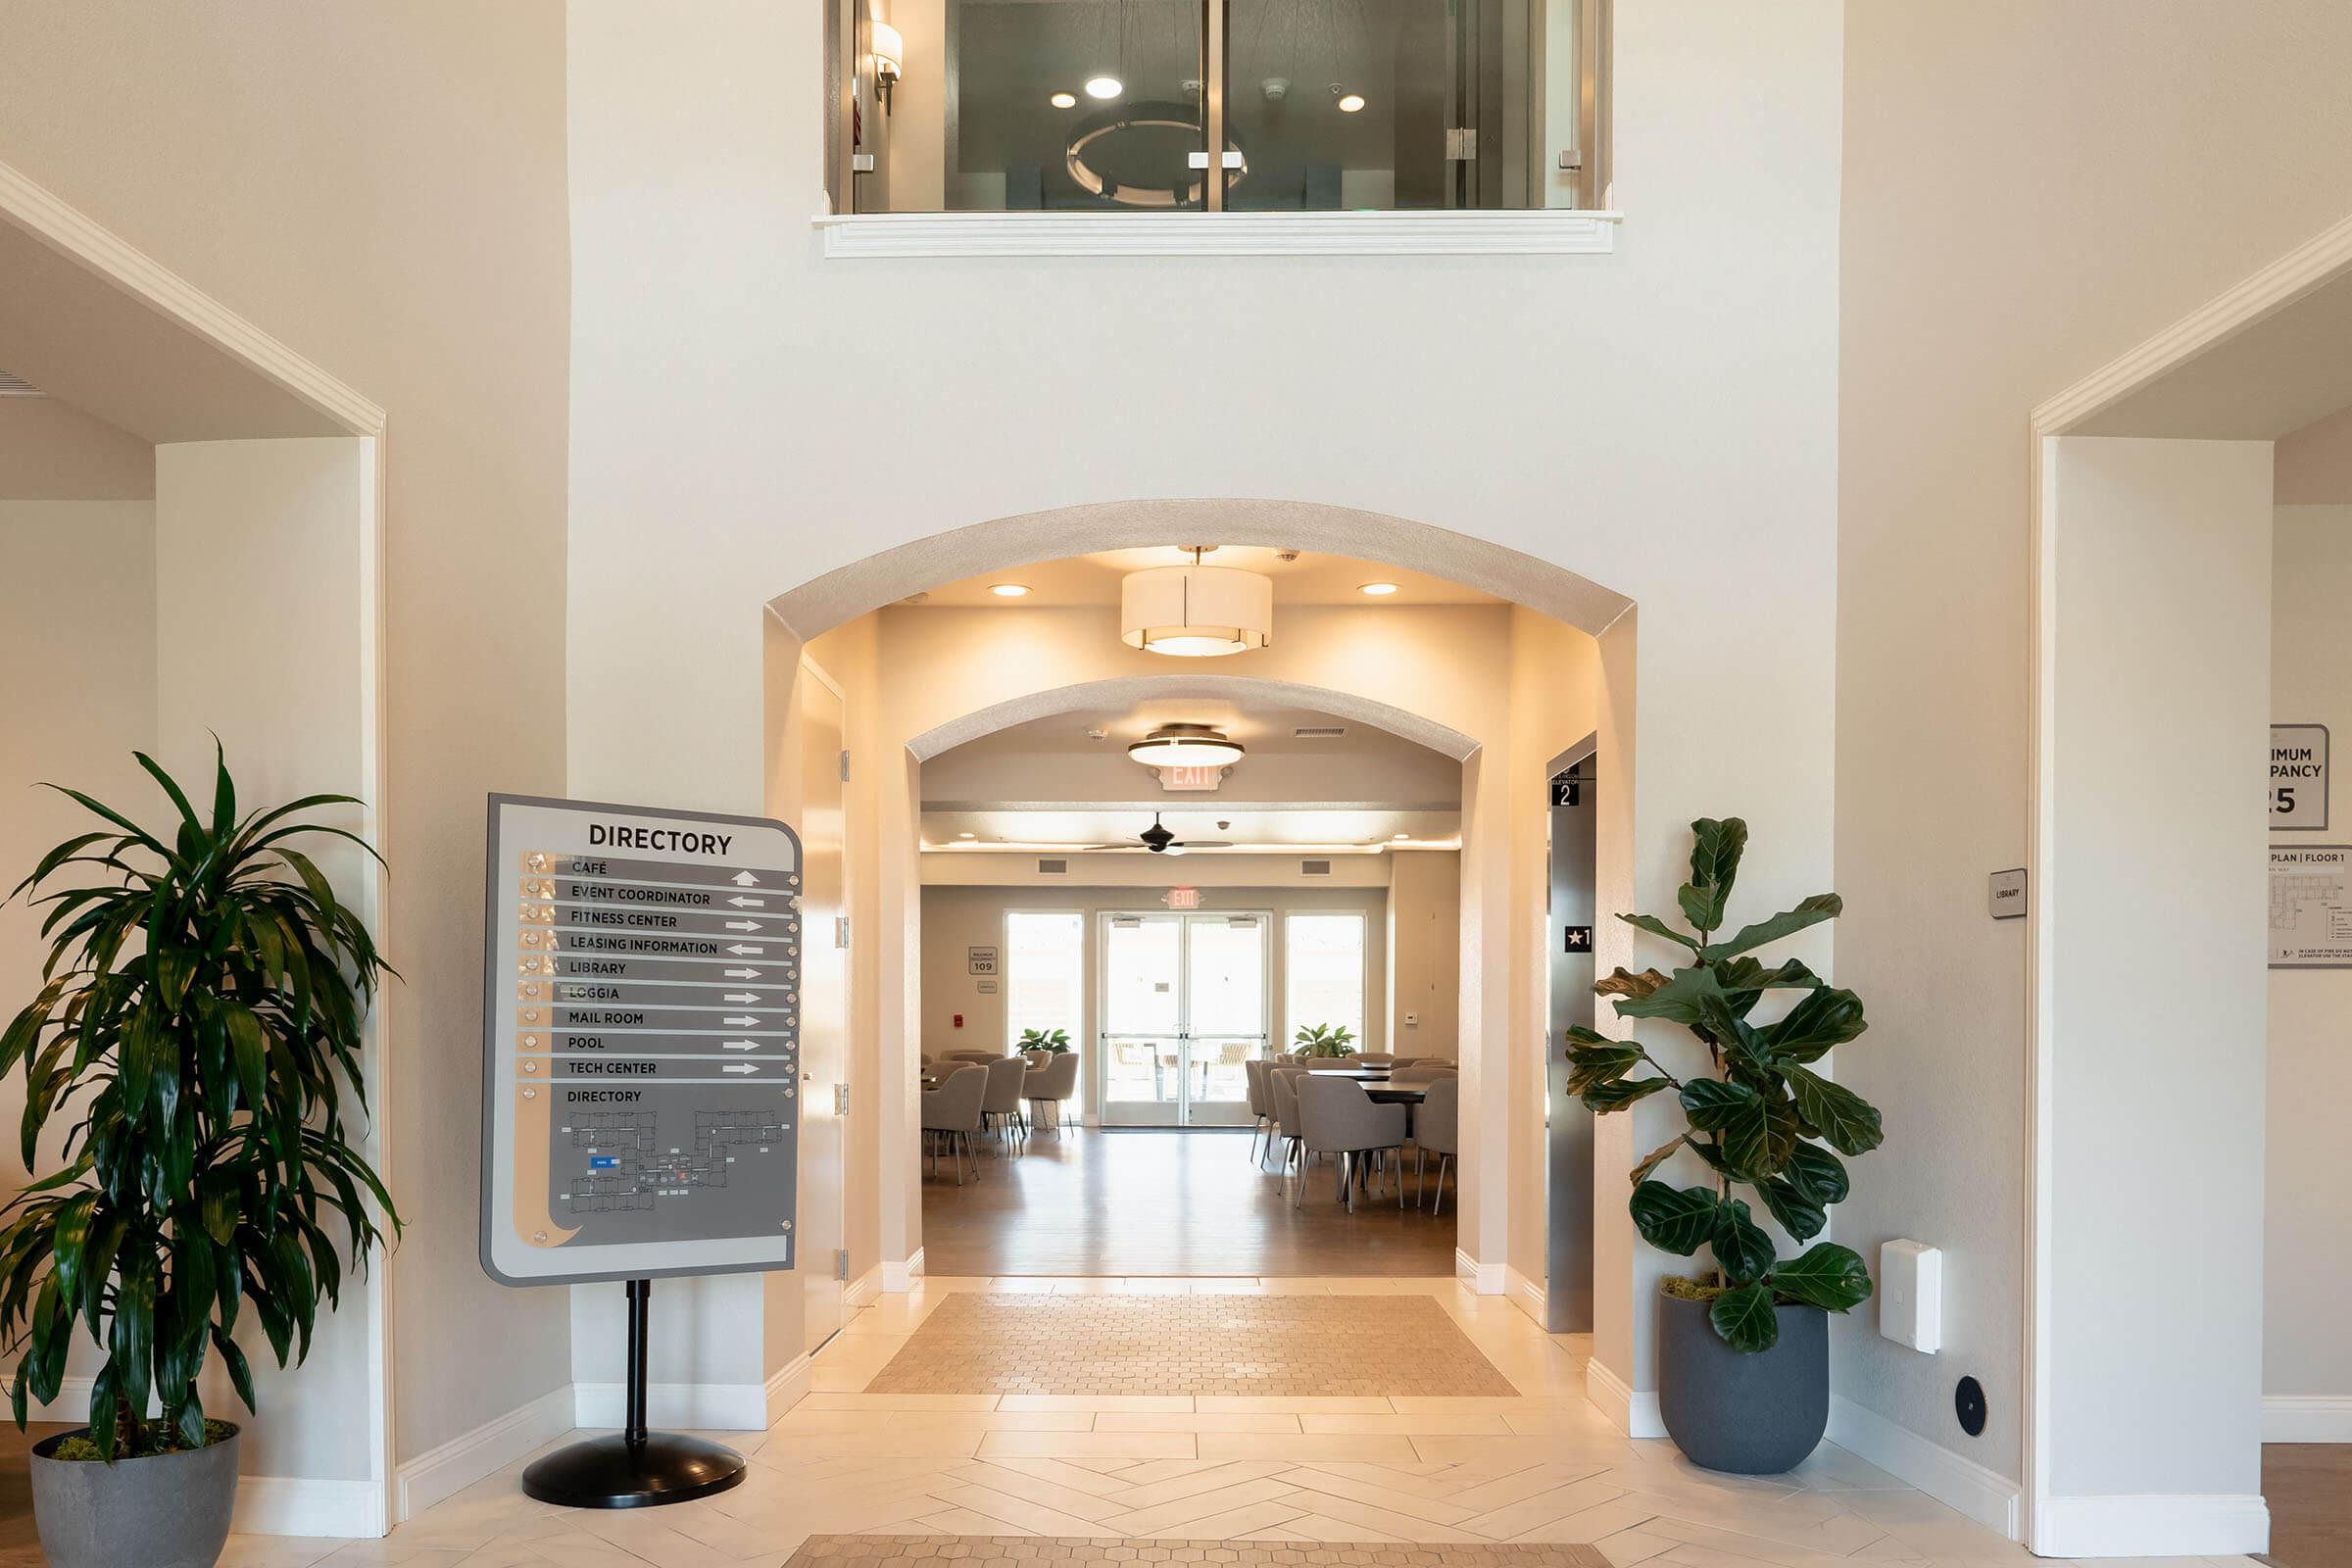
x,y
1378,1088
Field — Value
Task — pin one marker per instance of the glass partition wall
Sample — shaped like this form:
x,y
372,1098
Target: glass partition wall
x,y
1313,105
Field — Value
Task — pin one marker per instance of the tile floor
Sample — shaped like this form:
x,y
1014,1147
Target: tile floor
x,y
1019,1552
1541,1466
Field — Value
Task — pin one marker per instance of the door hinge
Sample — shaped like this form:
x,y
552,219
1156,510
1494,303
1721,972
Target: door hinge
x,y
841,1100
841,1263
1461,144
845,768
841,930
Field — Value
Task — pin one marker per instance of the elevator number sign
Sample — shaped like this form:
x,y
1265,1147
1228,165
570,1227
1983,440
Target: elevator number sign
x,y
2298,800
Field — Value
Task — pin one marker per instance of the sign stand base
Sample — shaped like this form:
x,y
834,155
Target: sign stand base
x,y
635,1468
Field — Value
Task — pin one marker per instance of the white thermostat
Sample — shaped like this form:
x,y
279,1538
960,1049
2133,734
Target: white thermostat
x,y
1911,1295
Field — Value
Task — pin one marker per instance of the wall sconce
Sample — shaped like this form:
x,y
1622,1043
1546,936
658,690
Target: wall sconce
x,y
890,58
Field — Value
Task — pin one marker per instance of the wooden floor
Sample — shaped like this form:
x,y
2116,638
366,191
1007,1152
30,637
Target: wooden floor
x,y
19,1547
1135,1203
2309,1488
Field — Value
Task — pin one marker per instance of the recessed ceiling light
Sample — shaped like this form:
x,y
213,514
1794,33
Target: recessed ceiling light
x,y
1353,102
1104,86
967,835
1400,838
1378,590
1063,100
1009,590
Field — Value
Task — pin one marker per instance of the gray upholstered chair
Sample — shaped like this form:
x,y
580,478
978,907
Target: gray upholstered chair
x,y
1364,1059
981,1056
1000,1107
1437,1130
1338,1118
1281,1090
1262,1103
1421,1072
952,1114
1052,1080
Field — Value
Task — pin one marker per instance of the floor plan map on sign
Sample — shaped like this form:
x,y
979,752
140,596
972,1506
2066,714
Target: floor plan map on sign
x,y
2311,915
641,1034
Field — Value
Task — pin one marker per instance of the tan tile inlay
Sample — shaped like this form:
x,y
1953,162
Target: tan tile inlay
x,y
982,1551
1266,1345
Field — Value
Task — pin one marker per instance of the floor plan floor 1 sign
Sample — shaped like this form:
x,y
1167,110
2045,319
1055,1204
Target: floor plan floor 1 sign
x,y
641,1043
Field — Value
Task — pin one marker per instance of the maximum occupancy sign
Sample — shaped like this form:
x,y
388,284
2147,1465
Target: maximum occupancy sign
x,y
641,1043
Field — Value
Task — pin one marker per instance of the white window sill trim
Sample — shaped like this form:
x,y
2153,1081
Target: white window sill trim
x,y
1518,231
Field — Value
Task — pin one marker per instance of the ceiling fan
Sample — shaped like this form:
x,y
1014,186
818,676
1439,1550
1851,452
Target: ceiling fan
x,y
1160,841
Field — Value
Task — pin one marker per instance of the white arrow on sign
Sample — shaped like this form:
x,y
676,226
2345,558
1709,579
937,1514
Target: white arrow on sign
x,y
743,974
749,904
743,925
745,1022
739,1066
740,996
738,1045
745,879
742,952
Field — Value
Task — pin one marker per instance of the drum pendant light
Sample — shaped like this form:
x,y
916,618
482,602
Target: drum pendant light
x,y
1197,611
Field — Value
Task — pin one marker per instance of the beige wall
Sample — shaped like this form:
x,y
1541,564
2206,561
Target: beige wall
x,y
2314,465
1425,952
2014,175
291,171
52,450
2306,1263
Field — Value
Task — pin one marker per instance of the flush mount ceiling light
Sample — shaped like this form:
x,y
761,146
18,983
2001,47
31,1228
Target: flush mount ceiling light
x,y
1105,88
1197,611
1186,745
1378,590
1063,100
1351,103
1009,590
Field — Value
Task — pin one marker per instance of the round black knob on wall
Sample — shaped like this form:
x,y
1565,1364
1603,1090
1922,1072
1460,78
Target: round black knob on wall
x,y
1968,1403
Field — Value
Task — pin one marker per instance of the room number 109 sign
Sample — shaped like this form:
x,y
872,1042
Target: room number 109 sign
x,y
641,1043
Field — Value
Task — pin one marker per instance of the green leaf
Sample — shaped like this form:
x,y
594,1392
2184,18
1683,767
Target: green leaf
x,y
1754,1131
1589,1066
1843,1119
1817,1173
245,1038
1680,1000
106,1410
1816,1026
241,1375
1745,1320
180,798
1799,1215
1747,977
1605,1097
1811,913
224,793
1739,1243
1715,851
1826,1275
1659,928
1673,1219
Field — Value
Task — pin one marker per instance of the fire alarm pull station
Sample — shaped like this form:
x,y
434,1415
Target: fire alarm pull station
x,y
960,1020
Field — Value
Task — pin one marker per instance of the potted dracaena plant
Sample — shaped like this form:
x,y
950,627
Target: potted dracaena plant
x,y
1324,1040
196,1036
1053,1042
1743,1381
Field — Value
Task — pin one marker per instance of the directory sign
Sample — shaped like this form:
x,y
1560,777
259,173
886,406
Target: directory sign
x,y
641,1043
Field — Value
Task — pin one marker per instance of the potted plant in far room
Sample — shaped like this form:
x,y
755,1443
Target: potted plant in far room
x,y
196,1036
1053,1042
1743,1376
1324,1040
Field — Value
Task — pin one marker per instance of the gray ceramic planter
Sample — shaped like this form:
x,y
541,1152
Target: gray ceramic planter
x,y
164,1510
1753,1415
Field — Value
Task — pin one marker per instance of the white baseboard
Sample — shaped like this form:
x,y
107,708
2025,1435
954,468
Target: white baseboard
x,y
1988,1498
2155,1525
296,1506
899,1278
1635,1414
788,1387
1525,1294
707,1407
1486,1279
862,1291
2306,1419
459,1463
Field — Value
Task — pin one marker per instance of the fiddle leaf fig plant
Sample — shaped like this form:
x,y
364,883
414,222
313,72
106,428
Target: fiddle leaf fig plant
x,y
1760,1120
196,1034
1325,1039
1053,1042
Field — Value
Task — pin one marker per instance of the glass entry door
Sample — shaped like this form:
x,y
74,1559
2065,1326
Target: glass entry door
x,y
1184,1005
